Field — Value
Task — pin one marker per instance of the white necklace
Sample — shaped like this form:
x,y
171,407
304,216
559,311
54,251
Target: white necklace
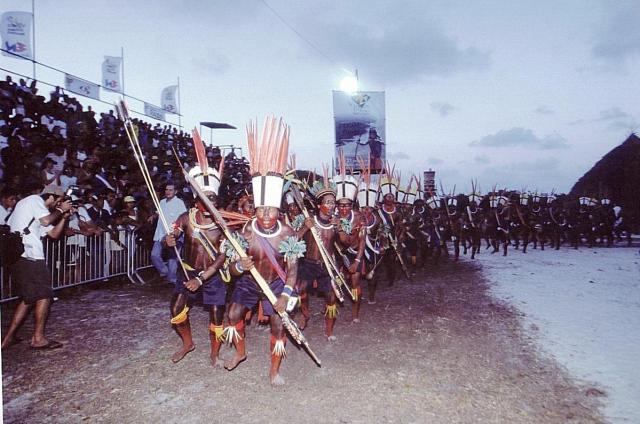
x,y
265,235
315,218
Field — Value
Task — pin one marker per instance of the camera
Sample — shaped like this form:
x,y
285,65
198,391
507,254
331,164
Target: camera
x,y
74,193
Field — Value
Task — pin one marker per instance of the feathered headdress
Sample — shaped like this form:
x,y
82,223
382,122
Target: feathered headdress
x,y
388,183
206,177
323,186
268,160
411,193
367,191
346,185
475,196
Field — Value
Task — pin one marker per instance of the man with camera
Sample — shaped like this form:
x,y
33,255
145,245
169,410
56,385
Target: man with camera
x,y
34,217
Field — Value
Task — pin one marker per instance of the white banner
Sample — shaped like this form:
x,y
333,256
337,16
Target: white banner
x,y
80,86
169,100
15,31
154,111
111,73
360,128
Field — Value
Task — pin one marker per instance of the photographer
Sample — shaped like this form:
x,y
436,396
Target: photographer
x,y
33,219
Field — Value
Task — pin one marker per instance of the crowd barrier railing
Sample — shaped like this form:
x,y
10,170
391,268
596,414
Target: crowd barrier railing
x,y
79,259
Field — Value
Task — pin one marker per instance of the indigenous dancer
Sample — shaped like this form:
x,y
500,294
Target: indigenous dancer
x,y
413,224
374,248
313,267
351,234
391,219
271,246
201,246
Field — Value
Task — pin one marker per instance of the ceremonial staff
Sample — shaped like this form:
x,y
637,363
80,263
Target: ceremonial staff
x,y
394,245
289,324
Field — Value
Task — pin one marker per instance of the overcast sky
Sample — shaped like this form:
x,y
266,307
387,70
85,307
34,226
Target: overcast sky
x,y
513,93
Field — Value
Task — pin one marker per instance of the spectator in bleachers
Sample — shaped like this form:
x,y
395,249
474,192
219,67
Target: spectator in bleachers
x,y
48,176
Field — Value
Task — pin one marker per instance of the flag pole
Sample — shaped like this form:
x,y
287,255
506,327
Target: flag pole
x,y
33,21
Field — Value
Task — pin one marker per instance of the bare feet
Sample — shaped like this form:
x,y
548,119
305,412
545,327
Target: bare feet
x,y
216,362
234,362
276,380
177,357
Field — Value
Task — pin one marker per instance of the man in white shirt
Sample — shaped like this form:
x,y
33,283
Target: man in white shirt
x,y
172,207
32,218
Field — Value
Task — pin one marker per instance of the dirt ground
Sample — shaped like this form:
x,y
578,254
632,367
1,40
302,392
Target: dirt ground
x,y
435,349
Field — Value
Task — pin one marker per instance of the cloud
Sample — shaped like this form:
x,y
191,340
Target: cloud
x,y
434,161
544,110
394,44
213,63
443,108
521,137
618,39
614,117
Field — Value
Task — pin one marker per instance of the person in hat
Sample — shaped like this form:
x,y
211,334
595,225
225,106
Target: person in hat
x,y
391,220
34,217
313,267
351,234
375,242
204,261
271,245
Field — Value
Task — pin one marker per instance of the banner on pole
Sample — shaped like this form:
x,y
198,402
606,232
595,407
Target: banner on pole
x,y
360,128
154,111
82,87
15,31
169,100
111,73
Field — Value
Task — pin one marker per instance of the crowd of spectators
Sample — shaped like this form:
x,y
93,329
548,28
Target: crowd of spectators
x,y
57,143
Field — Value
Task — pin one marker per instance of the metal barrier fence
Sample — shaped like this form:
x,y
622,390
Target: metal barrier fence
x,y
79,259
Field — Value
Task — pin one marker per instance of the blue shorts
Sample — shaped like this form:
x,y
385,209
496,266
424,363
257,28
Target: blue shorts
x,y
248,294
309,271
214,290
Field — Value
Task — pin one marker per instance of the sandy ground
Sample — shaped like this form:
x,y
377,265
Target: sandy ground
x,y
583,308
436,349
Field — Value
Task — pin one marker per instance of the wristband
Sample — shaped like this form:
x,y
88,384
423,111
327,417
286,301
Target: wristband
x,y
239,267
358,260
287,291
60,210
197,277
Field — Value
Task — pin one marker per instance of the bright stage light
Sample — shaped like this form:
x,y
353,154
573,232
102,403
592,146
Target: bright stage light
x,y
349,84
